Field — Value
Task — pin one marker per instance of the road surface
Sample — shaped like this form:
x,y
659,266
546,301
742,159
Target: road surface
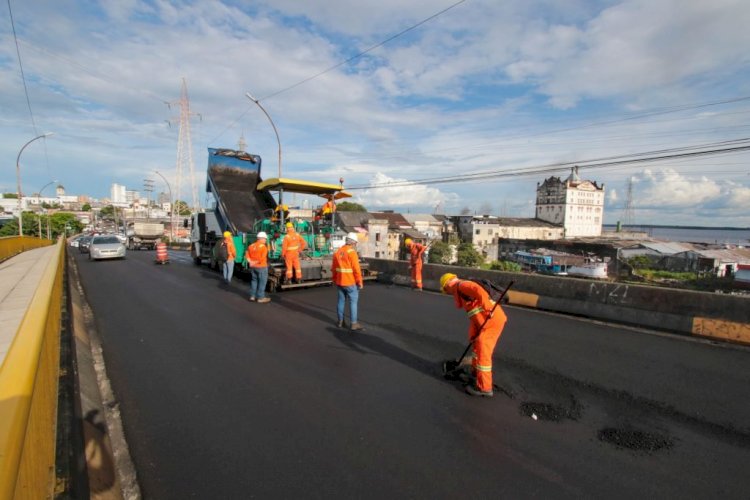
x,y
223,398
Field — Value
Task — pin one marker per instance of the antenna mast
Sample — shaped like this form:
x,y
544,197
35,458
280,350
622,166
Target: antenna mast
x,y
185,150
628,217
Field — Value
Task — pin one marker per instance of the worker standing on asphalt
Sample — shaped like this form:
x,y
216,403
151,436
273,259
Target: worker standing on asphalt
x,y
486,323
329,208
415,263
256,256
291,247
231,253
348,278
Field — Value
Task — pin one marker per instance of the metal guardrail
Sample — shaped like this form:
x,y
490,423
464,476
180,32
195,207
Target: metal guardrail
x,y
13,245
28,391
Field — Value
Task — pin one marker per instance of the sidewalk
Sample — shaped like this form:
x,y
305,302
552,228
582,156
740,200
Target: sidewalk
x,y
19,279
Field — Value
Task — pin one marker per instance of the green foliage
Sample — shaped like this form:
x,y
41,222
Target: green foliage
x,y
10,196
654,274
31,222
107,212
468,256
639,262
440,253
350,206
182,208
505,265
86,207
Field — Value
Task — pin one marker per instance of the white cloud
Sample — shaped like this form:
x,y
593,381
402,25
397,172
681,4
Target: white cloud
x,y
403,196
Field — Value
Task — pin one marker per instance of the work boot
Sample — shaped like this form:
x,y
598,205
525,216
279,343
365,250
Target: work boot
x,y
356,327
340,323
252,299
264,300
473,391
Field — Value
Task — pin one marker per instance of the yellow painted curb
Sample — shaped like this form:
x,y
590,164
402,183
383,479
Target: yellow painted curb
x,y
523,298
720,329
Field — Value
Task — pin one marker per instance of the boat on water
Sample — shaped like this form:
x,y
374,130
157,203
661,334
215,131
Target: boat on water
x,y
596,270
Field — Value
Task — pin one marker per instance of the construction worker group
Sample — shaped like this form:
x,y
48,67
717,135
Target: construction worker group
x,y
486,318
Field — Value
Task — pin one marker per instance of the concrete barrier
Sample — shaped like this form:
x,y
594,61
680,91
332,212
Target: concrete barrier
x,y
717,316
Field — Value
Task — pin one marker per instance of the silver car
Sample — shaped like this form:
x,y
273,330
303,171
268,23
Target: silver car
x,y
106,247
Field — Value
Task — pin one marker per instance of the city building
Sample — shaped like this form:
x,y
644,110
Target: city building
x,y
575,204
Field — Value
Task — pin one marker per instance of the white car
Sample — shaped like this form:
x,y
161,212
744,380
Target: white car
x,y
106,247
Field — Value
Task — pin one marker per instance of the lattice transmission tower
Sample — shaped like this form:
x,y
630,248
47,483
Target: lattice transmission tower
x,y
185,165
628,215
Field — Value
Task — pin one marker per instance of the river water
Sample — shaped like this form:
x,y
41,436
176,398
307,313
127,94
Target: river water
x,y
695,235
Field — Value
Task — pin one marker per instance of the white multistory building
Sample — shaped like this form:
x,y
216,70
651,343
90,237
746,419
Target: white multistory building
x,y
118,194
576,204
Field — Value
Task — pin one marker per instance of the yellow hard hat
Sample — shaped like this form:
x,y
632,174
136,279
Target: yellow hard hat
x,y
444,279
289,224
407,241
227,234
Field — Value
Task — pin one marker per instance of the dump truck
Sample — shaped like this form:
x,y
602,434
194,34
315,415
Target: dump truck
x,y
245,205
144,235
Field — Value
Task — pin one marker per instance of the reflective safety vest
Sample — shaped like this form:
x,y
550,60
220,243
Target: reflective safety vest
x,y
476,302
415,253
293,243
345,267
257,255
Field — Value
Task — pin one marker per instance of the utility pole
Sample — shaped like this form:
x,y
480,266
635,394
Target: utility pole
x,y
185,148
628,219
148,186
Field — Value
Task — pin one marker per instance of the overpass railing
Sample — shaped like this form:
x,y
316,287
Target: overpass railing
x,y
28,390
13,245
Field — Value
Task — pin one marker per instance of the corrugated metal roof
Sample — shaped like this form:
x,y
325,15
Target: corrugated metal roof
x,y
667,247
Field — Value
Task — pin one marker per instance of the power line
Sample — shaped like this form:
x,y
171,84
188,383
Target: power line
x,y
341,63
369,49
723,147
20,65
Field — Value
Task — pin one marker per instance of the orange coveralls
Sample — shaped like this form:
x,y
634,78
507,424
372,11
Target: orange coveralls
x,y
415,262
477,303
291,247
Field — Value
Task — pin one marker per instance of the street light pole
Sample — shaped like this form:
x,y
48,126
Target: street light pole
x,y
249,96
18,180
38,201
171,208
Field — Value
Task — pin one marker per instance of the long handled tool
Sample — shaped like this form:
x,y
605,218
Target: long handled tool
x,y
449,367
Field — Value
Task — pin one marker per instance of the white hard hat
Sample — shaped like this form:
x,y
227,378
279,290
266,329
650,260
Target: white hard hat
x,y
262,234
352,237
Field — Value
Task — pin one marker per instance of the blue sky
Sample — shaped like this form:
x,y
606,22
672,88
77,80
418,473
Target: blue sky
x,y
486,86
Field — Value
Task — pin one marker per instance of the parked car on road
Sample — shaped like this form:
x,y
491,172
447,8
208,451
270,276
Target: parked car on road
x,y
106,246
83,244
74,242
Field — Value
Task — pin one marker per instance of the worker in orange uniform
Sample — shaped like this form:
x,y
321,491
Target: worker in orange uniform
x,y
486,322
231,254
415,263
291,247
256,256
329,208
348,278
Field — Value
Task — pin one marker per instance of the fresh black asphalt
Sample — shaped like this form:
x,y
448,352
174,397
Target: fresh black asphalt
x,y
223,398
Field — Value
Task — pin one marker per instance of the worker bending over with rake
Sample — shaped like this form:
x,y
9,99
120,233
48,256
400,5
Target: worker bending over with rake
x,y
416,250
486,323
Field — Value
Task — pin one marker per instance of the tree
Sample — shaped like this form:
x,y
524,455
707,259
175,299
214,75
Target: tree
x,y
107,212
468,256
349,206
61,221
181,207
466,211
505,265
11,196
440,253
86,207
